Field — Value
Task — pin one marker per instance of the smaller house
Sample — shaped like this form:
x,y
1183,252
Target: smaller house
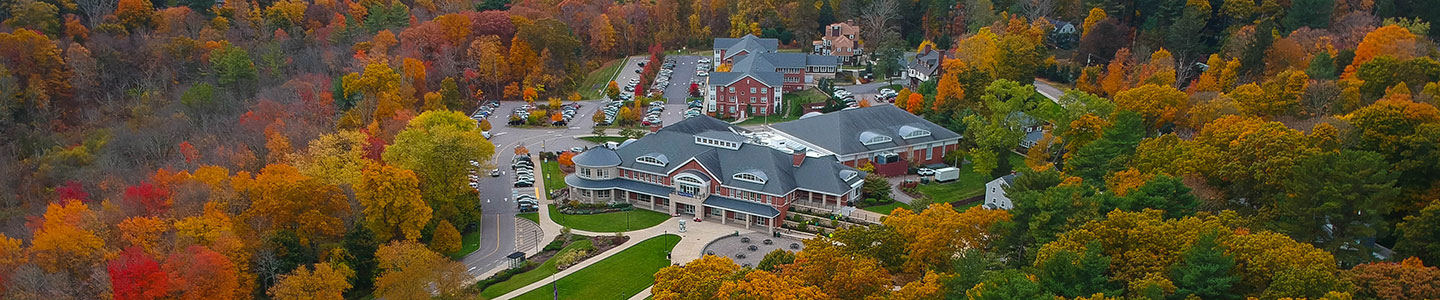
x,y
995,192
925,65
728,48
842,40
1034,129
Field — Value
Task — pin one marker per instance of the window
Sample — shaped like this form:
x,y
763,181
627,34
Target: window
x,y
732,108
752,99
602,194
585,172
655,159
764,99
762,110
763,90
755,176
929,152
732,89
752,90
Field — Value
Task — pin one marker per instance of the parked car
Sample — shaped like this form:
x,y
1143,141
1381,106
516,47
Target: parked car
x,y
495,173
925,172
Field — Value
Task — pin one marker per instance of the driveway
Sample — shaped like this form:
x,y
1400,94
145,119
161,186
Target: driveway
x,y
679,88
870,90
497,225
627,71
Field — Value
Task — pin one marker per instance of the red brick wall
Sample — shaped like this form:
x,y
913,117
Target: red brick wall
x,y
742,96
692,165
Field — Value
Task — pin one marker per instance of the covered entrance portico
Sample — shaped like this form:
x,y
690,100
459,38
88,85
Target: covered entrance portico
x,y
749,214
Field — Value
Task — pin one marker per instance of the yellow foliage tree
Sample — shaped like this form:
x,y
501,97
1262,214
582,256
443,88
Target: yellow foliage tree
x,y
392,204
699,279
325,282
1392,40
143,232
62,244
937,233
1095,17
446,238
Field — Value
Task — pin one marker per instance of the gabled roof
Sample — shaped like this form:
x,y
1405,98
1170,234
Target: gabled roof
x,y
749,43
840,132
820,174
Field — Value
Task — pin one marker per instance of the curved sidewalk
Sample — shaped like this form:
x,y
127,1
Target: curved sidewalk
x,y
692,242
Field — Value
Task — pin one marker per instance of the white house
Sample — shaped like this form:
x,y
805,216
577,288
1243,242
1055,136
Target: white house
x,y
995,192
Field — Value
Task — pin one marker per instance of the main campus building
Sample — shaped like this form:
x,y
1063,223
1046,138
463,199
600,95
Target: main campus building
x,y
706,168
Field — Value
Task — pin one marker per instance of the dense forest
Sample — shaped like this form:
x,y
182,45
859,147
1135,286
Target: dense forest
x,y
297,149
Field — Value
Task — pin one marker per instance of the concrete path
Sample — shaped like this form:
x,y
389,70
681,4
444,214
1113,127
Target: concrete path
x,y
691,246
895,191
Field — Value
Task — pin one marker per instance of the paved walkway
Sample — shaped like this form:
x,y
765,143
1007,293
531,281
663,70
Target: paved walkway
x,y
895,191
692,242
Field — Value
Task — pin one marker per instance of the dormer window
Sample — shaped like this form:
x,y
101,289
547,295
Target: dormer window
x,y
848,175
871,138
655,159
754,176
910,132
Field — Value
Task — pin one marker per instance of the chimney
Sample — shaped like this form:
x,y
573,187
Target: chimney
x,y
797,158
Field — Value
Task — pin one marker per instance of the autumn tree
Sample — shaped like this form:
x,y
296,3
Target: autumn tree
x,y
698,279
135,14
1158,104
200,273
566,159
335,158
1409,279
325,281
1405,133
135,275
766,285
438,146
392,204
446,238
285,199
491,65
43,78
602,34
410,271
933,236
143,233
379,85
612,90
842,275
63,243
1392,40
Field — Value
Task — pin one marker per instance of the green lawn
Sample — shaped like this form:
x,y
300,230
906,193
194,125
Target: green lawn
x,y
969,184
594,84
530,216
554,179
617,277
603,139
796,108
886,209
544,270
609,222
469,242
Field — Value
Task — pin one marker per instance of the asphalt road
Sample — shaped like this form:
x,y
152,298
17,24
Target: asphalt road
x,y
627,71
679,88
497,229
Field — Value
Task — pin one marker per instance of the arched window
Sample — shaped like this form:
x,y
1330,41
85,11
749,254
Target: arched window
x,y
751,176
653,159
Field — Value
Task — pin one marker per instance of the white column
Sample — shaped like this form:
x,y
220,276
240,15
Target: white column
x,y
749,219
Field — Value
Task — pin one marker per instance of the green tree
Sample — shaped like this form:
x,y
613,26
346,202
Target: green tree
x,y
1072,274
1110,152
878,241
1322,67
1204,271
439,145
1163,193
876,187
36,15
1418,233
773,260
1007,285
1041,215
998,127
450,94
1336,200
234,68
1308,13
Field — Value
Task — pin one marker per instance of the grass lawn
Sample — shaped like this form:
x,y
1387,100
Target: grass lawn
x,y
603,139
617,277
885,209
535,217
523,279
594,84
469,242
796,108
609,222
970,184
554,179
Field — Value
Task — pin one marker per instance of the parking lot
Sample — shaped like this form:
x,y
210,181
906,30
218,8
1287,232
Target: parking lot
x,y
679,88
628,71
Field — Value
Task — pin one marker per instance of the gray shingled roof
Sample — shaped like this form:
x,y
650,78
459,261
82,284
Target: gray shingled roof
x,y
839,132
820,174
749,42
597,157
727,78
624,184
741,206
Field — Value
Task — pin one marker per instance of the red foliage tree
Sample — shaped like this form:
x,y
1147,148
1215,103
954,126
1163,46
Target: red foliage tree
x,y
134,275
199,273
153,199
72,190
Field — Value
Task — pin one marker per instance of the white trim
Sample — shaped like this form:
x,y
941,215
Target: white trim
x,y
749,177
658,161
